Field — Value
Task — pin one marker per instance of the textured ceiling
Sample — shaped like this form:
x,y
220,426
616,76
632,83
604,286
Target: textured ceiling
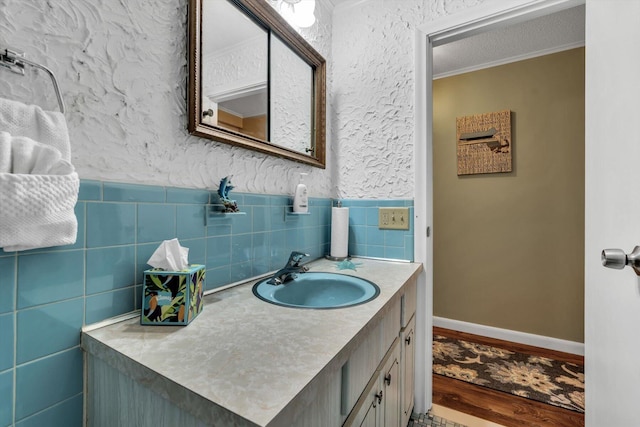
x,y
547,34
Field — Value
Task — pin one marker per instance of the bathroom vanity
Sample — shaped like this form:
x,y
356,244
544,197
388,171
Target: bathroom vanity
x,y
246,362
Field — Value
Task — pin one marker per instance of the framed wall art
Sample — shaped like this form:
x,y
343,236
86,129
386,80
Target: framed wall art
x,y
484,143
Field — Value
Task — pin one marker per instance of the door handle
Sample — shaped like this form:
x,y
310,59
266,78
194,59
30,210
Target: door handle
x,y
616,258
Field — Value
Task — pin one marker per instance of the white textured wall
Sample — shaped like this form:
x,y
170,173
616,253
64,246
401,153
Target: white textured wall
x,y
122,70
372,99
121,66
291,98
236,67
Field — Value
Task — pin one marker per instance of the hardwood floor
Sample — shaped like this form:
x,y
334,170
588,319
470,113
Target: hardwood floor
x,y
497,406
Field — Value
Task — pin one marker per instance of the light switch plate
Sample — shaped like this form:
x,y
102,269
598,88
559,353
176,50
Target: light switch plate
x,y
393,218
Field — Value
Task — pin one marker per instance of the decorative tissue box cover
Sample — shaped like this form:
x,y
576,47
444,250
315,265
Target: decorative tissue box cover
x,y
172,297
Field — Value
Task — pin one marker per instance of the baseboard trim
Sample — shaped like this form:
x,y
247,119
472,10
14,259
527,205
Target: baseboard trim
x,y
509,335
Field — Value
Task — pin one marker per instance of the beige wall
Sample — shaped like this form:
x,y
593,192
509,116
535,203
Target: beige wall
x,y
509,247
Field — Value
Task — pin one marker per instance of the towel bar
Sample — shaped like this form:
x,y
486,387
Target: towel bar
x,y
15,62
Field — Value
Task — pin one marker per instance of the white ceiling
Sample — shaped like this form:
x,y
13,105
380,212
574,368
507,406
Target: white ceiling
x,y
552,33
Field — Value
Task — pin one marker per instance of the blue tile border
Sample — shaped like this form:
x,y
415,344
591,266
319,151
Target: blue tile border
x,y
7,283
119,192
90,190
120,225
187,196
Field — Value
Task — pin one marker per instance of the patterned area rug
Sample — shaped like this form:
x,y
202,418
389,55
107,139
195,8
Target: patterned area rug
x,y
539,378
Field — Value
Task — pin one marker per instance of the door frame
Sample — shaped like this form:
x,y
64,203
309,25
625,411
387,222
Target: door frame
x,y
489,15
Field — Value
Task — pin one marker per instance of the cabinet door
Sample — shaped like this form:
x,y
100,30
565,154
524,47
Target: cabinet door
x,y
367,409
371,417
369,414
391,389
408,369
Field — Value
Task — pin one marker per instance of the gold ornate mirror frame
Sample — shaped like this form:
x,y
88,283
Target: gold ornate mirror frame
x,y
276,25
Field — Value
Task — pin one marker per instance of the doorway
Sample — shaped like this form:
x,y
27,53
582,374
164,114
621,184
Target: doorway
x,y
446,30
520,232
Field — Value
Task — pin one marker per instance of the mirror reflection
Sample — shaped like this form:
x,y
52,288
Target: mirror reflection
x,y
235,64
254,81
291,100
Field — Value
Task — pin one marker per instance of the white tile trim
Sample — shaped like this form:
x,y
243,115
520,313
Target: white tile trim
x,y
509,335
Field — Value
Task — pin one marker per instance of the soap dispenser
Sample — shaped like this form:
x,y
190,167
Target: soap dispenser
x,y
300,198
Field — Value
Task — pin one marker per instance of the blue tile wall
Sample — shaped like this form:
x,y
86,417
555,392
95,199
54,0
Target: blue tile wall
x,y
48,328
7,322
6,397
67,412
48,381
47,295
365,239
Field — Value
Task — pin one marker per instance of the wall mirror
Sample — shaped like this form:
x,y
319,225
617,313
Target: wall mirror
x,y
254,81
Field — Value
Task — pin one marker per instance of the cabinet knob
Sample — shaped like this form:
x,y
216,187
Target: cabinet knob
x,y
408,340
387,379
379,397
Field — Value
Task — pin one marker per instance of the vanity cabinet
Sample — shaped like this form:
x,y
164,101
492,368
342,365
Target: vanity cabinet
x,y
391,388
407,341
387,398
351,367
379,404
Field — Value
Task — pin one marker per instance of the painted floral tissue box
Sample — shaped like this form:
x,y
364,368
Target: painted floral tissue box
x,y
172,297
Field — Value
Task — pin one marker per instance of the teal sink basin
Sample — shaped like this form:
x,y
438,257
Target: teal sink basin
x,y
318,290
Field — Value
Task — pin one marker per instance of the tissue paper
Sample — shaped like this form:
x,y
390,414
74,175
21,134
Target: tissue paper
x,y
170,256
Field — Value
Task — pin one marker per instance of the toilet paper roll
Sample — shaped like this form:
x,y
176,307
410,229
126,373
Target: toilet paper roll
x,y
339,232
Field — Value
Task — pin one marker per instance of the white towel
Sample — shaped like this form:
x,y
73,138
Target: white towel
x,y
38,184
31,121
25,156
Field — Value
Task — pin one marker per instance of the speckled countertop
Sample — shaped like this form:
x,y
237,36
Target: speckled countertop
x,y
243,359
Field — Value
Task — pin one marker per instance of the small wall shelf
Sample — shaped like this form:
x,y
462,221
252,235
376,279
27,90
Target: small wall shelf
x,y
212,214
288,212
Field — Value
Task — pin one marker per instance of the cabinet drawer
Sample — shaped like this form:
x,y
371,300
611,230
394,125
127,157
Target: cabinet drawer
x,y
408,302
390,327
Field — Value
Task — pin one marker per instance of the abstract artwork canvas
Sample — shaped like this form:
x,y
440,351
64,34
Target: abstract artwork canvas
x,y
484,143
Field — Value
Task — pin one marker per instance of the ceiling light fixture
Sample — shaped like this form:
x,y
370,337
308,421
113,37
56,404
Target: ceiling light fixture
x,y
298,12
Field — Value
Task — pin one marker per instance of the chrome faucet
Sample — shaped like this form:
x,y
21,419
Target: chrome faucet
x,y
289,271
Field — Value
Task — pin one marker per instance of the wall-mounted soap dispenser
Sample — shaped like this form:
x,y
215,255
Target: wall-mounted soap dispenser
x,y
301,198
